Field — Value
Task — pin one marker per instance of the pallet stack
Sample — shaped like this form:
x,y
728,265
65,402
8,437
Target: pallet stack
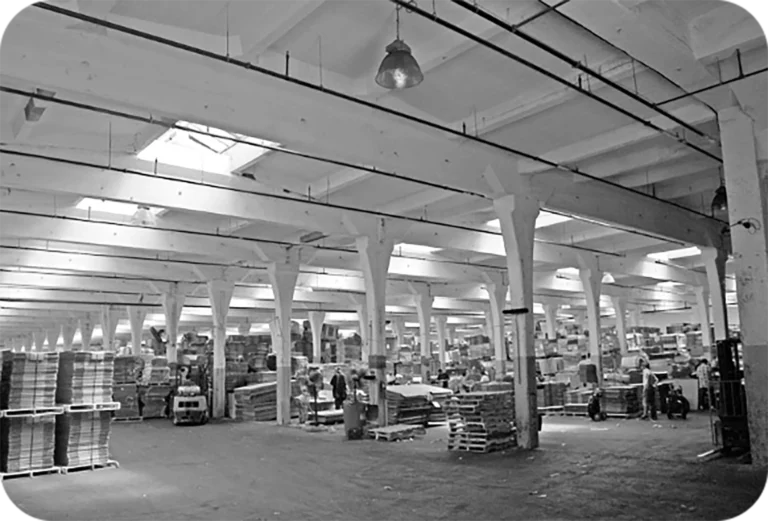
x,y
576,401
27,412
84,390
482,422
258,402
406,407
125,390
153,400
622,400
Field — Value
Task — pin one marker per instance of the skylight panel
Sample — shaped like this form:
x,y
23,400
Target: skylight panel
x,y
113,207
675,254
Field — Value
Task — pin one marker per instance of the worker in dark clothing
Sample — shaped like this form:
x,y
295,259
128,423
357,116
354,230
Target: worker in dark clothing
x,y
339,387
442,378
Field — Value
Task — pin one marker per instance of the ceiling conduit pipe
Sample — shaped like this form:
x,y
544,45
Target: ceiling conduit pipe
x,y
431,124
657,72
475,9
716,85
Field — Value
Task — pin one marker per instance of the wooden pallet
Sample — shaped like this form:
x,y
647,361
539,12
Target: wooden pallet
x,y
482,448
29,473
86,407
555,410
130,419
396,432
37,411
90,466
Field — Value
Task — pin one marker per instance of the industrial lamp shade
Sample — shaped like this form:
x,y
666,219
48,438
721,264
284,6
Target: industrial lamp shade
x,y
399,69
720,201
144,217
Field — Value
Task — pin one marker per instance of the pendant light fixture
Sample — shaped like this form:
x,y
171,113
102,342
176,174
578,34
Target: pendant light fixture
x,y
720,201
399,69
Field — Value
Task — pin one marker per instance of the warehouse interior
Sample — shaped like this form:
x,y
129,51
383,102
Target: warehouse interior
x,y
467,212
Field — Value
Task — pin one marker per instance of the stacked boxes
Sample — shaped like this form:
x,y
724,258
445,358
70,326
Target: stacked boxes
x,y
154,400
27,442
622,399
82,438
482,422
406,407
28,380
85,377
258,402
125,390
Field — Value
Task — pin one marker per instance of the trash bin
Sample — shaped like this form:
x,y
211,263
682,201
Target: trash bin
x,y
353,419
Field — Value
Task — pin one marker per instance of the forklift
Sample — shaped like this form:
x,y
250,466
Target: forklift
x,y
189,399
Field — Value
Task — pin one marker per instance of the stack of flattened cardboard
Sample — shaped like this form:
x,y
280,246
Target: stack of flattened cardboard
x,y
82,438
27,442
258,402
85,377
28,380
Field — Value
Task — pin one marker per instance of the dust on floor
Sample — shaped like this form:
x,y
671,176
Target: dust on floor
x,y
620,469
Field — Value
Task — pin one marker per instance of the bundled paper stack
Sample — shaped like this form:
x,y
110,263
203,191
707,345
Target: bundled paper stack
x,y
258,402
154,399
407,404
235,373
622,399
576,401
85,377
551,394
82,438
28,380
127,396
482,421
155,371
127,369
26,443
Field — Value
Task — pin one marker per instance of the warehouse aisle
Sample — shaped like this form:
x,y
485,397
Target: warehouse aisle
x,y
258,471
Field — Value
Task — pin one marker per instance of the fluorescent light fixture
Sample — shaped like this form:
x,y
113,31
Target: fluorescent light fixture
x,y
565,306
414,249
542,221
217,155
568,271
412,324
669,284
113,207
608,279
538,309
675,254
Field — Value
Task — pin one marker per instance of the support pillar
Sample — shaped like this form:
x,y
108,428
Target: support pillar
x,y
635,317
52,337
422,299
220,295
18,344
620,307
173,303
68,333
714,261
398,328
136,316
517,216
702,308
109,319
86,330
38,337
451,335
244,327
550,316
316,319
440,324
497,294
746,181
591,279
375,253
283,274
365,331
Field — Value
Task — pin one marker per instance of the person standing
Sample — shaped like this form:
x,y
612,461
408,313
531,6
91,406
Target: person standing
x,y
703,373
339,388
649,391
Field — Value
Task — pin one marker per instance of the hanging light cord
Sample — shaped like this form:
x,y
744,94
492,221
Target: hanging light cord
x,y
397,22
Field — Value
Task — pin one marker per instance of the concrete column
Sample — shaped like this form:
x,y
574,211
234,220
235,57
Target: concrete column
x,y
620,307
109,320
18,343
173,303
365,331
375,253
746,180
488,327
517,216
244,327
591,279
714,261
451,335
635,317
220,295
398,328
136,316
52,337
422,299
274,332
702,308
497,293
86,330
283,275
68,333
550,316
316,319
38,337
440,323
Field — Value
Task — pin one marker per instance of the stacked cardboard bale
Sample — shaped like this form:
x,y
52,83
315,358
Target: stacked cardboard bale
x,y
85,377
576,401
82,438
28,380
623,399
154,400
155,370
407,405
258,402
482,421
27,442
125,389
551,394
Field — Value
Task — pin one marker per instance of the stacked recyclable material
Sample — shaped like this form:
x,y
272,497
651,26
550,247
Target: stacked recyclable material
x,y
258,402
622,400
482,421
85,377
155,370
125,390
82,438
551,394
576,401
28,380
407,405
154,400
27,442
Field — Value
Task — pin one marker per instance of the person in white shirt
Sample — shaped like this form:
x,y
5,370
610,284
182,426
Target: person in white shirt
x,y
703,372
649,391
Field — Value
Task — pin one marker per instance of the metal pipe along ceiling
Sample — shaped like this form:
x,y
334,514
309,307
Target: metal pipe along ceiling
x,y
504,25
319,88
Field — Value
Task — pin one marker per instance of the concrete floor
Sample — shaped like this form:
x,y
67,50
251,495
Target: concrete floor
x,y
620,469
